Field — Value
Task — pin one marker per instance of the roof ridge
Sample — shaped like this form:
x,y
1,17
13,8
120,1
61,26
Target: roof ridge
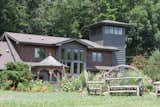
x,y
52,36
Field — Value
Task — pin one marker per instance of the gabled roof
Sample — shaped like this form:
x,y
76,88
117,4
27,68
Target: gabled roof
x,y
35,39
106,22
6,55
51,40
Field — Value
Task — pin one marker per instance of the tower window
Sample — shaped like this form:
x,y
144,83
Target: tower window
x,y
113,30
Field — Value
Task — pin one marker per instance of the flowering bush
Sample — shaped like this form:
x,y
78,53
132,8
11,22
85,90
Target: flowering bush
x,y
72,84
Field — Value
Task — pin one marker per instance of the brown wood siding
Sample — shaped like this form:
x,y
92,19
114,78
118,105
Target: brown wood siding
x,y
26,51
106,58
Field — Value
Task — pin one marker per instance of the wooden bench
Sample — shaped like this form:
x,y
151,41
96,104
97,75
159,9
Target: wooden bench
x,y
125,88
98,90
157,84
117,74
95,90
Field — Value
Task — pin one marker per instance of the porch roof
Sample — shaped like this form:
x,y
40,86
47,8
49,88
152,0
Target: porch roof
x,y
48,62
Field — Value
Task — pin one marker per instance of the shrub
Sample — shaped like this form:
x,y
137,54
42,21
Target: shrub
x,y
21,87
14,75
17,66
152,69
139,62
39,86
72,84
66,85
82,79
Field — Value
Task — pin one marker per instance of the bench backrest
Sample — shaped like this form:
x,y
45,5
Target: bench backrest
x,y
118,75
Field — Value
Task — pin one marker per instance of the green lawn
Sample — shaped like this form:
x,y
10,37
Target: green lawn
x,y
20,99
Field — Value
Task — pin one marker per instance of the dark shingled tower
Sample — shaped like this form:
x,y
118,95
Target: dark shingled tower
x,y
110,33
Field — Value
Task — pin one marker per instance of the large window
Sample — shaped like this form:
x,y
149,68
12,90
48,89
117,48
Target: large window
x,y
113,30
74,58
39,53
96,57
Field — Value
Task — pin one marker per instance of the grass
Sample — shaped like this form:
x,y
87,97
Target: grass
x,y
59,99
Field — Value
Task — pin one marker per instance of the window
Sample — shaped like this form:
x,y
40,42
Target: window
x,y
39,53
75,54
120,31
99,57
96,57
82,55
116,30
81,67
69,67
75,70
69,54
113,30
63,54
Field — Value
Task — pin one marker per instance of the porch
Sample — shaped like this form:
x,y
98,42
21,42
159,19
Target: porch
x,y
48,69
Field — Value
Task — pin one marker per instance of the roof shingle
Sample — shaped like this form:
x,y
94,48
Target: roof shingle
x,y
51,40
5,56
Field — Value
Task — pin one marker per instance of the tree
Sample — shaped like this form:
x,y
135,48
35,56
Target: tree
x,y
13,16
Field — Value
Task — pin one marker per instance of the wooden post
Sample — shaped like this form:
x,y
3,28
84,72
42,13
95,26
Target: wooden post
x,y
139,87
101,89
63,71
50,74
38,75
157,90
108,82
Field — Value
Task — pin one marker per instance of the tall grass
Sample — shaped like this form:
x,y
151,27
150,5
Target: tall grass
x,y
60,99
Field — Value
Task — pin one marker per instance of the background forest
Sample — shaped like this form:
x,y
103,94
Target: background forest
x,y
67,17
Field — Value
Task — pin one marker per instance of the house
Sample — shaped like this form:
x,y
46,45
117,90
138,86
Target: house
x,y
105,48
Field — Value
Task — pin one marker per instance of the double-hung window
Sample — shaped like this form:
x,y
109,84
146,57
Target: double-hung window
x,y
96,57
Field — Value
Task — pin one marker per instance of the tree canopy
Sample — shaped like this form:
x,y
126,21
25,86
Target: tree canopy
x,y
67,17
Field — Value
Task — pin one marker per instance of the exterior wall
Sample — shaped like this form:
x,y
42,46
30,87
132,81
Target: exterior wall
x,y
96,35
106,58
119,57
26,51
